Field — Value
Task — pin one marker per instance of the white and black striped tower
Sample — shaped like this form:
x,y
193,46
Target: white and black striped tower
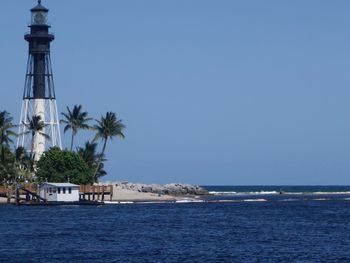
x,y
39,93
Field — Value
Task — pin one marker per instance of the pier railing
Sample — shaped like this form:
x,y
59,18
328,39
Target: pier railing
x,y
95,192
3,190
28,187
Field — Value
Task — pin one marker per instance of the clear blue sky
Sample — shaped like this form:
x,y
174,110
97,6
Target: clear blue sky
x,y
212,92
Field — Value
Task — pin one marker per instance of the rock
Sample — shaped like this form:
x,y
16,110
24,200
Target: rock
x,y
184,189
175,189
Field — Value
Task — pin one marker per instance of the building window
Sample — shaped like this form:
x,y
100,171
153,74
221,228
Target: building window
x,y
59,190
54,190
50,190
64,190
69,190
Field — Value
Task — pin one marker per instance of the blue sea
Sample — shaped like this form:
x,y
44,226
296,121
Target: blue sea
x,y
235,224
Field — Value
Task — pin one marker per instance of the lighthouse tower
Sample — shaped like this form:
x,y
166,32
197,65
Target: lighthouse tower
x,y
39,100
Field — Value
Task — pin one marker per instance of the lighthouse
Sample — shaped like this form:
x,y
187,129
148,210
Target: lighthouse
x,y
39,124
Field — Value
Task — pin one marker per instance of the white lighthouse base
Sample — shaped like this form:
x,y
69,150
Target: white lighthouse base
x,y
47,110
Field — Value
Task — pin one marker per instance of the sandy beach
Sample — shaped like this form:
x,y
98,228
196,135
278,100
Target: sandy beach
x,y
3,200
120,194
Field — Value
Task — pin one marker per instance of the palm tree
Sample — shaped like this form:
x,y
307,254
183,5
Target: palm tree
x,y
24,160
7,167
88,153
6,127
21,157
107,128
75,120
24,165
35,126
7,170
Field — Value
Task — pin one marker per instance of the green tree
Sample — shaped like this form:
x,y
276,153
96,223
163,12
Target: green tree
x,y
36,126
106,128
75,119
8,173
6,127
7,158
60,166
24,165
88,153
21,158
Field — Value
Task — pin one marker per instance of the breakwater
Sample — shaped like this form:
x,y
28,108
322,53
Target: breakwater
x,y
175,189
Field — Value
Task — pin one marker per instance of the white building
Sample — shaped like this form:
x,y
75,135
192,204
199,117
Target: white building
x,y
59,192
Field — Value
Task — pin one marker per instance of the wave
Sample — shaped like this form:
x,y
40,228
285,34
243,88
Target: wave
x,y
244,193
232,193
222,193
188,201
318,193
289,200
237,201
330,193
118,202
254,200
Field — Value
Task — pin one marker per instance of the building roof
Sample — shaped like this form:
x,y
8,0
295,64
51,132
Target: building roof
x,y
60,184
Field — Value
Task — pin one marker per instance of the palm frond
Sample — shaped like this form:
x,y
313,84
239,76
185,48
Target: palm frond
x,y
66,128
46,136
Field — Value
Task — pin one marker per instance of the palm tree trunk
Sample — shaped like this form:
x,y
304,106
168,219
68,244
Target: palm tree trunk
x,y
8,192
71,142
100,158
8,199
32,150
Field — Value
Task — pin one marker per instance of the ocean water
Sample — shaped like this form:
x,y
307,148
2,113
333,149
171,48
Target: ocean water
x,y
276,189
278,193
248,225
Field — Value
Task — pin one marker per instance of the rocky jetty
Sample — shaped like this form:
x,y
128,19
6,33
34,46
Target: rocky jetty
x,y
175,189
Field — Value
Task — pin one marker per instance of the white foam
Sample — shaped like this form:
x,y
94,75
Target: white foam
x,y
254,200
151,202
118,202
222,193
189,201
330,193
228,193
244,193
263,193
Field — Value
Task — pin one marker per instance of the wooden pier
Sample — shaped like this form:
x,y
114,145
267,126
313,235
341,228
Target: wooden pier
x,y
95,192
28,193
22,190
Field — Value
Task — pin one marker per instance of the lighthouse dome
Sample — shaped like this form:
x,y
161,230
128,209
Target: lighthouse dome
x,y
39,7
